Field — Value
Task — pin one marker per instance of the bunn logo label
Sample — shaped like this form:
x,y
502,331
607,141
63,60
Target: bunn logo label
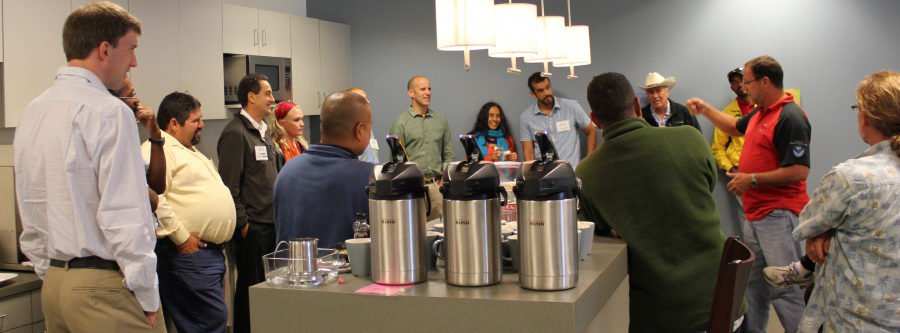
x,y
463,222
536,223
390,221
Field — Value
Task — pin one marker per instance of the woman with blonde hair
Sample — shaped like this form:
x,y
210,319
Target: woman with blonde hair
x,y
286,126
856,285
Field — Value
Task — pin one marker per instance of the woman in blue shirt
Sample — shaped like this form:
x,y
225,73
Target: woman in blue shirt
x,y
492,134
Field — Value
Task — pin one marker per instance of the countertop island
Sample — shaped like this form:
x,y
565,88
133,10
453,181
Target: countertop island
x,y
599,302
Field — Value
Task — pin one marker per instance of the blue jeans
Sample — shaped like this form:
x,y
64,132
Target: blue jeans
x,y
190,287
770,239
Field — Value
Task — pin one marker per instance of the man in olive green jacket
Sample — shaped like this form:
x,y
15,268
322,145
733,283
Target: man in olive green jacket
x,y
666,215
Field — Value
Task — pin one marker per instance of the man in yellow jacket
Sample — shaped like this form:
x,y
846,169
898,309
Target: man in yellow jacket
x,y
726,149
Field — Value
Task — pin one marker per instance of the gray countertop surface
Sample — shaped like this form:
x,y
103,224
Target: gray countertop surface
x,y
26,281
571,310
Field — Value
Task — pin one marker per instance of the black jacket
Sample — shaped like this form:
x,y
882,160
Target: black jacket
x,y
251,182
680,116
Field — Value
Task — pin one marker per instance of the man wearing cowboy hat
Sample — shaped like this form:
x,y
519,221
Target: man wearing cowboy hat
x,y
662,111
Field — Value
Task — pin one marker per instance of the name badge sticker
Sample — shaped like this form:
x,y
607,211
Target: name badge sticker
x,y
562,126
261,153
373,143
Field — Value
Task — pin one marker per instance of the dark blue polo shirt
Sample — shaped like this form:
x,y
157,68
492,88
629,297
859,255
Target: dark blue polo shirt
x,y
318,193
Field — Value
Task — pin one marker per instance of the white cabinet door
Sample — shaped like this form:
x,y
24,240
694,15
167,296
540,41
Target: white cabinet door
x,y
240,30
275,34
1,32
32,52
78,3
334,51
305,63
157,73
200,51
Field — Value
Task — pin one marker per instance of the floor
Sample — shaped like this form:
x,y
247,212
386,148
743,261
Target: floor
x,y
774,324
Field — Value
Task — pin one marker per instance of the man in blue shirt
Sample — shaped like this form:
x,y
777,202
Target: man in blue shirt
x,y
318,193
560,117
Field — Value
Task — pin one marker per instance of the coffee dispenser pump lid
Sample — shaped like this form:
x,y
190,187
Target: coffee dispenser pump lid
x,y
399,177
547,178
473,177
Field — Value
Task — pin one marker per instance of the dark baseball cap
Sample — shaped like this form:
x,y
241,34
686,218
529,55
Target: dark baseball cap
x,y
736,71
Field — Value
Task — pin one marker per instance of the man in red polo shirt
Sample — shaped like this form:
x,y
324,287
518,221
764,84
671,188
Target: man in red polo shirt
x,y
771,182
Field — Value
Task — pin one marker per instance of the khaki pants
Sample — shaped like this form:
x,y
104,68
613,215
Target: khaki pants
x,y
92,300
437,201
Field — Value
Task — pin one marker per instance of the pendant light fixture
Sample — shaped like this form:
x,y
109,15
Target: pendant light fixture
x,y
514,32
578,47
551,40
464,25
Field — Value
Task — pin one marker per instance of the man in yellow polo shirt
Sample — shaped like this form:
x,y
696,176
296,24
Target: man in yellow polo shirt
x,y
726,149
196,217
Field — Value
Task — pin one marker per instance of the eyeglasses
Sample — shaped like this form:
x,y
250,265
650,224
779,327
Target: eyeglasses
x,y
748,82
133,95
854,107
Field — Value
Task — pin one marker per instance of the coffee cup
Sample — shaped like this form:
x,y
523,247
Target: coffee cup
x,y
588,227
359,251
430,238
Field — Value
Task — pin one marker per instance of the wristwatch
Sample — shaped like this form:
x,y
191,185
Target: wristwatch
x,y
753,182
160,143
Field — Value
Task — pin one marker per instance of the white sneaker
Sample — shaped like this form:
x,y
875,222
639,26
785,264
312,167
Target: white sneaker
x,y
783,277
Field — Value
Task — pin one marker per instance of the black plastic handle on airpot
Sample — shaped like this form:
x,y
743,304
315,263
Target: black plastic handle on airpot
x,y
473,152
548,149
398,152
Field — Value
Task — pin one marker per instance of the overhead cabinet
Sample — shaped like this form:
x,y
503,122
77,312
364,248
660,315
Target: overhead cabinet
x,y
31,52
180,49
255,31
321,52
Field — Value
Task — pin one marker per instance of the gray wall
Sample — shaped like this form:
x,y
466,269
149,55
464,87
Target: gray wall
x,y
825,47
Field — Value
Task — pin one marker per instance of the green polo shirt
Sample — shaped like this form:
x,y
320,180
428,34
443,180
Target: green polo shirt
x,y
426,139
654,187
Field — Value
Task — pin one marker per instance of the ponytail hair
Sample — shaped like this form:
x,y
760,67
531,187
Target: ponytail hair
x,y
878,97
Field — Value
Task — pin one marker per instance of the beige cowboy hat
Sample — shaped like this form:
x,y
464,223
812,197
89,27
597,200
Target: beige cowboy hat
x,y
655,79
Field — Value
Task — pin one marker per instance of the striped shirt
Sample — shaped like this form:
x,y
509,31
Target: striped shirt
x,y
80,182
568,115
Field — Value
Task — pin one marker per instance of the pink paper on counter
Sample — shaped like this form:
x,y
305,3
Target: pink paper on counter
x,y
380,289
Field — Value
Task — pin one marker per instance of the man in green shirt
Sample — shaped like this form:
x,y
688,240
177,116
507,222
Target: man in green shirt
x,y
426,136
666,215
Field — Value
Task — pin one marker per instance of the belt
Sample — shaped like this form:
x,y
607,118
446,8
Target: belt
x,y
92,262
213,246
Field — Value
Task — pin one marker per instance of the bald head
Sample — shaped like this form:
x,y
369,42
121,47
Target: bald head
x,y
419,89
416,80
359,91
346,121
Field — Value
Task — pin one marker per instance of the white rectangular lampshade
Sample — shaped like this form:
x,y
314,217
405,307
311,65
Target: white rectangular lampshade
x,y
578,47
514,30
551,39
462,23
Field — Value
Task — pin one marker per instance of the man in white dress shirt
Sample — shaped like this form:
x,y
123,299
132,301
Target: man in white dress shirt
x,y
81,187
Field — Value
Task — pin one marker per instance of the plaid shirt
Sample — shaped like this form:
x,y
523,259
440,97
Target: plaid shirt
x,y
662,122
564,110
858,286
